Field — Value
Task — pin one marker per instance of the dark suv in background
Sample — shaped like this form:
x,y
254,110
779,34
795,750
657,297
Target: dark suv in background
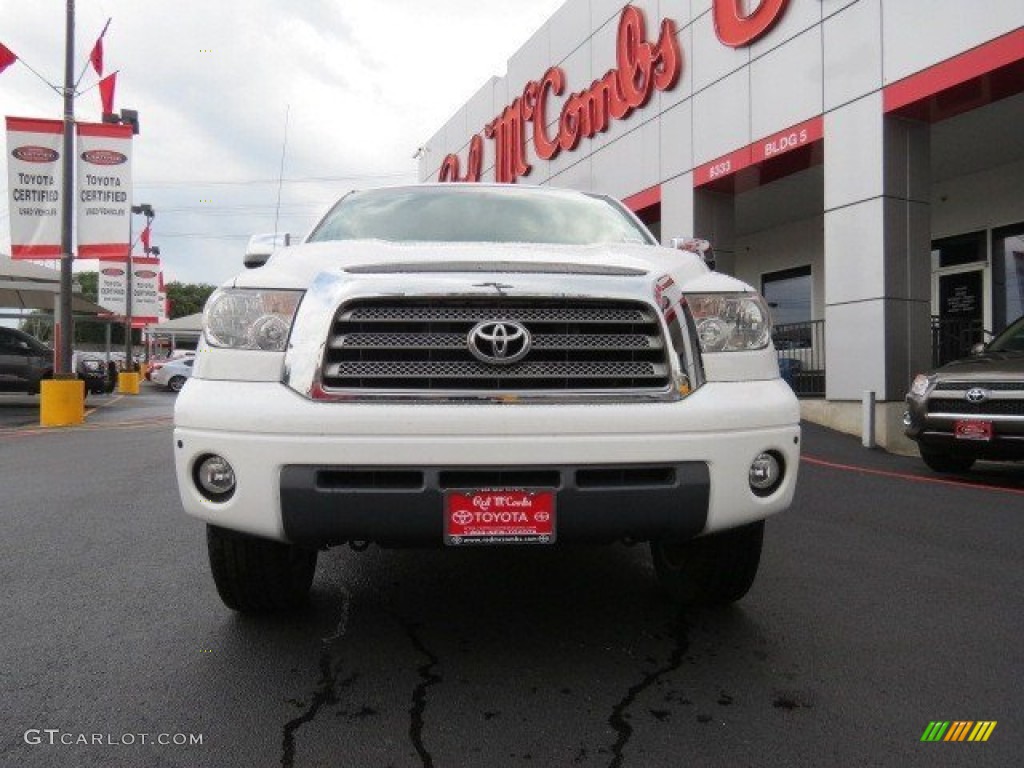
x,y
971,408
25,361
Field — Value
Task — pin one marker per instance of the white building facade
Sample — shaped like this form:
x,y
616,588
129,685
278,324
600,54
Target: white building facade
x,y
861,162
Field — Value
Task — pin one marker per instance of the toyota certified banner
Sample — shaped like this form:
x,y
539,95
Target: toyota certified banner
x,y
104,190
147,300
35,182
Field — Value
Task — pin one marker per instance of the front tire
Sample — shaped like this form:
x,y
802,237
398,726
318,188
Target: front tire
x,y
255,575
946,463
716,569
176,383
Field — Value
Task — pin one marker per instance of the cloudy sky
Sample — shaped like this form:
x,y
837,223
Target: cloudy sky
x,y
361,84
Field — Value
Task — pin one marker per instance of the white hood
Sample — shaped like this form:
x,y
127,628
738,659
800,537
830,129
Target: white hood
x,y
298,266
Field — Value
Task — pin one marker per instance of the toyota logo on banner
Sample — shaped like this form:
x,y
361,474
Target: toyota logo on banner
x,y
499,342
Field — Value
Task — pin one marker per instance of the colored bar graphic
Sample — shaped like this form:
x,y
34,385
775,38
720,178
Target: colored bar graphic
x,y
982,730
935,731
958,730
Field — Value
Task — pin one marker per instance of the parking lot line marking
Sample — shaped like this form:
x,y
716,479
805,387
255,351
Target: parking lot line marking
x,y
114,425
907,476
95,408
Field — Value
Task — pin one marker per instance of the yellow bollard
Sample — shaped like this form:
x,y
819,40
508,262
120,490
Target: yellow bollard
x,y
128,383
142,370
61,402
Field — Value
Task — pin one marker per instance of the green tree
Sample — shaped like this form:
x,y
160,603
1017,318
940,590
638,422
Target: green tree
x,y
187,298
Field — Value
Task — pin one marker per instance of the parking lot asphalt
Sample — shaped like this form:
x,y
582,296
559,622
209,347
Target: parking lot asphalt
x,y
20,411
888,598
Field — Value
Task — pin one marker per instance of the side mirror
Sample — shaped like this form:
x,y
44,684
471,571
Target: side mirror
x,y
698,246
978,349
261,247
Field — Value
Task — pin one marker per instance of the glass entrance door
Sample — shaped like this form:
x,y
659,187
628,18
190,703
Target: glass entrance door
x,y
960,309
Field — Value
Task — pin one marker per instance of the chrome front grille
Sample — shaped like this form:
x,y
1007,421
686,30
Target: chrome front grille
x,y
422,345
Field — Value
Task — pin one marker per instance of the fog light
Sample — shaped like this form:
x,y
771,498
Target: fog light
x,y
215,478
907,419
765,474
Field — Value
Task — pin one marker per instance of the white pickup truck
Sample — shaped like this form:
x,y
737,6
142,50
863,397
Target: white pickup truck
x,y
470,365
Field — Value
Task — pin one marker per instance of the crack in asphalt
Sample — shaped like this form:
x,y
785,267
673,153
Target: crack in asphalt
x,y
327,687
617,719
419,695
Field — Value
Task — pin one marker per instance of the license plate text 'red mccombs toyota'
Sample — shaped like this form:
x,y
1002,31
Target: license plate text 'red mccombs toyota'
x,y
499,516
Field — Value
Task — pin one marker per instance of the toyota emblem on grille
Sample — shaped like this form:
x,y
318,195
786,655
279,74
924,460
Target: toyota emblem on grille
x,y
976,395
499,342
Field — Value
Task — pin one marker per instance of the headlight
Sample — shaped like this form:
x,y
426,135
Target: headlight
x,y
730,322
242,318
921,385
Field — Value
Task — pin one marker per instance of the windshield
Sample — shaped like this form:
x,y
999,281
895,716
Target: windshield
x,y
470,213
1010,340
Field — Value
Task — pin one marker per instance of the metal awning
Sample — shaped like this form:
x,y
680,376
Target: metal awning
x,y
24,285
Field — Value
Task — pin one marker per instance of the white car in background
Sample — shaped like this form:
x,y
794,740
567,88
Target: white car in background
x,y
174,374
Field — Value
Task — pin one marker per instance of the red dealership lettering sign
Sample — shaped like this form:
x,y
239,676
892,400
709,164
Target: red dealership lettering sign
x,y
737,29
641,68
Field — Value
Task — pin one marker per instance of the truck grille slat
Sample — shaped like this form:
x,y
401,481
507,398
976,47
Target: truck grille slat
x,y
387,341
417,344
476,314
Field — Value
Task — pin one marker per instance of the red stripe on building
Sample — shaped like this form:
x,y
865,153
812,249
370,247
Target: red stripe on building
x,y
986,59
721,167
979,77
779,143
645,199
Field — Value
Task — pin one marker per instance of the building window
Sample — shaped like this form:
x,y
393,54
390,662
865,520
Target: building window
x,y
1007,275
957,250
788,293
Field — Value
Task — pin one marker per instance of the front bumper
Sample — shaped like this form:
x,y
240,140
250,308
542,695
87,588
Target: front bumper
x,y
937,431
397,507
281,445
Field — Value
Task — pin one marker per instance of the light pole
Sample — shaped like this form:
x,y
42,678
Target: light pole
x,y
146,210
63,358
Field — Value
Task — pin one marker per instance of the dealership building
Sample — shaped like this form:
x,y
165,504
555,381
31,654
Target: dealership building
x,y
859,162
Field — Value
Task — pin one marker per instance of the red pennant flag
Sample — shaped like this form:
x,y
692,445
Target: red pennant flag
x,y
107,85
96,56
7,57
145,239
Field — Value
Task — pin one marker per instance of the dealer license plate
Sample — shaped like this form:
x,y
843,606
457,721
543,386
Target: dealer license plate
x,y
972,429
499,516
